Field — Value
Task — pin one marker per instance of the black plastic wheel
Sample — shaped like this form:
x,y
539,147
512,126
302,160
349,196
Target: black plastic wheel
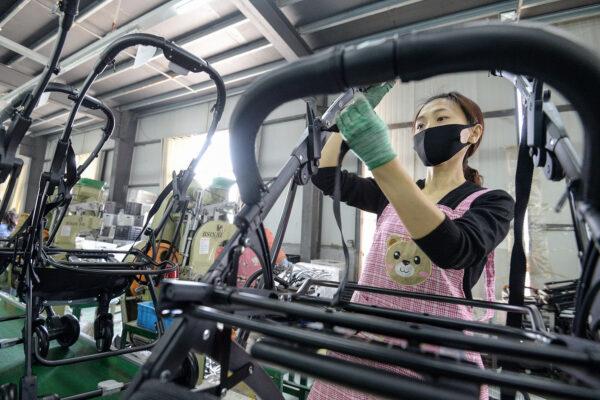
x,y
43,341
70,333
8,391
189,372
103,332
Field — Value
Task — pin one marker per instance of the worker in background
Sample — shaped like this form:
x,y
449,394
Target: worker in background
x,y
436,235
8,224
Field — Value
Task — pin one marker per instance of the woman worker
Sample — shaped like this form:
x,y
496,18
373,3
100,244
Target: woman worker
x,y
434,236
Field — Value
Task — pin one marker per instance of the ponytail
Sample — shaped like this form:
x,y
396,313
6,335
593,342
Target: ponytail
x,y
471,174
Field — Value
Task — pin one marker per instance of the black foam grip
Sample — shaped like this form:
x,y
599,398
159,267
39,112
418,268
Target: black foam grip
x,y
524,49
171,51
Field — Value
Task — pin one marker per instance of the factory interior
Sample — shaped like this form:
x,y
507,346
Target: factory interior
x,y
299,199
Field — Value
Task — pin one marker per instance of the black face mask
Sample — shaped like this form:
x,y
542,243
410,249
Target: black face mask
x,y
439,144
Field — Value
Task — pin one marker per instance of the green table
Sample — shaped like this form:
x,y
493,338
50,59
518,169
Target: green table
x,y
65,380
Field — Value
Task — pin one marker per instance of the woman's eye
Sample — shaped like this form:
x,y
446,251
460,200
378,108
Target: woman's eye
x,y
419,127
397,255
417,260
441,118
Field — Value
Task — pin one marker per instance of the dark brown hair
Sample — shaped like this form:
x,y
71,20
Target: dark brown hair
x,y
474,116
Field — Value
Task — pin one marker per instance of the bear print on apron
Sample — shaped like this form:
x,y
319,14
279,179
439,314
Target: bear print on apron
x,y
396,262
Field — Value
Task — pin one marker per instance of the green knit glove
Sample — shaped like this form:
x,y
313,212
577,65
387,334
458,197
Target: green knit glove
x,y
375,93
366,134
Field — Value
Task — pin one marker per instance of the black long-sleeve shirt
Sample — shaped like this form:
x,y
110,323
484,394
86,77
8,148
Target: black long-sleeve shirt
x,y
462,243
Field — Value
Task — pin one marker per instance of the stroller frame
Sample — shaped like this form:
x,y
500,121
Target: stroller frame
x,y
32,252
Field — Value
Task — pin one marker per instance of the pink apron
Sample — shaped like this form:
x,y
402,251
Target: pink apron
x,y
396,262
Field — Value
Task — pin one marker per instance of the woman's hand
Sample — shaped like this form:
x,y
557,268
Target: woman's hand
x,y
366,134
331,150
375,93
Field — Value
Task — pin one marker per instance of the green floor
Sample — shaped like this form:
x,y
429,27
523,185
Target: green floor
x,y
66,380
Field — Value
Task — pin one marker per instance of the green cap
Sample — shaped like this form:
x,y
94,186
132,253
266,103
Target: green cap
x,y
91,183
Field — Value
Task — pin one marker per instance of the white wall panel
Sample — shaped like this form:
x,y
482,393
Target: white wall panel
x,y
186,121
146,165
295,107
226,118
293,232
276,144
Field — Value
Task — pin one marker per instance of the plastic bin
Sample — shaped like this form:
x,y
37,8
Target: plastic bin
x,y
146,317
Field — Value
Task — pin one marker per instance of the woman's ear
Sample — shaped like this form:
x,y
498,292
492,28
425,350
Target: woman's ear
x,y
476,133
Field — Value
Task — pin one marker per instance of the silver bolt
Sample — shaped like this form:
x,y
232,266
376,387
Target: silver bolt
x,y
206,334
247,242
301,158
251,370
223,391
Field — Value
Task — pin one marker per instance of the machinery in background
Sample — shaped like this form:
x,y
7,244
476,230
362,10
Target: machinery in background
x,y
556,302
83,218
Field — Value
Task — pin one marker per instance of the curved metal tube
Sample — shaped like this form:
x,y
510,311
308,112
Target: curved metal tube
x,y
525,49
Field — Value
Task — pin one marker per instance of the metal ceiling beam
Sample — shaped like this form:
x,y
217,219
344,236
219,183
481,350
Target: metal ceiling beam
x,y
568,15
355,14
12,78
266,16
487,11
460,17
190,102
226,56
142,23
202,86
18,6
47,118
183,41
55,131
86,13
22,50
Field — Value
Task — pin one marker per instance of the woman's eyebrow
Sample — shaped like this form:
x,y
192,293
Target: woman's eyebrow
x,y
437,110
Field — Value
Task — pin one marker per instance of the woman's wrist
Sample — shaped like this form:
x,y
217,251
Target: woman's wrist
x,y
331,151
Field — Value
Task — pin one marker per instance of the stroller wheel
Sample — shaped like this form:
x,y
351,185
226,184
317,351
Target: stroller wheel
x,y
70,332
103,332
8,391
189,372
43,340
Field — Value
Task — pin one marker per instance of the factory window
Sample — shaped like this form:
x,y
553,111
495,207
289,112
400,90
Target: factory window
x,y
216,162
92,171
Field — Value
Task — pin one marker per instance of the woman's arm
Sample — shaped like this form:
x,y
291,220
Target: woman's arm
x,y
465,242
418,214
356,191
331,151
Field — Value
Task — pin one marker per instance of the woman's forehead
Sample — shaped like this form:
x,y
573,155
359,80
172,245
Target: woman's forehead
x,y
439,104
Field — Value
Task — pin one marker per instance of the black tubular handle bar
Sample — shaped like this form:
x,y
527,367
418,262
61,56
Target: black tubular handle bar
x,y
171,51
525,49
70,10
90,103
